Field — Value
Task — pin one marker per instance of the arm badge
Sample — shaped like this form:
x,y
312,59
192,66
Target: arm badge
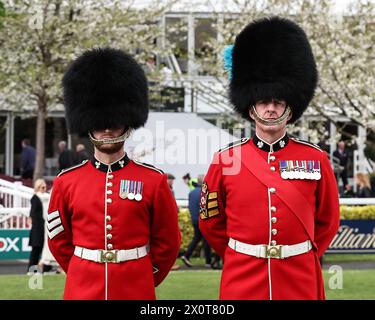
x,y
209,205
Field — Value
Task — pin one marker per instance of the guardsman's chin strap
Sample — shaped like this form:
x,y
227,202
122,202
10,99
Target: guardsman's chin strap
x,y
122,138
271,122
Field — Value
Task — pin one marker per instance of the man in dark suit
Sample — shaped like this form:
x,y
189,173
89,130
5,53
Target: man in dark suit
x,y
194,202
27,160
342,158
66,157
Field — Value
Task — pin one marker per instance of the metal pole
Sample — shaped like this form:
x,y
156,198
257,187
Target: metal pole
x,y
191,45
9,145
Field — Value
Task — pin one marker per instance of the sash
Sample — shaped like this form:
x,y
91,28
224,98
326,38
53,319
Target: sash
x,y
285,189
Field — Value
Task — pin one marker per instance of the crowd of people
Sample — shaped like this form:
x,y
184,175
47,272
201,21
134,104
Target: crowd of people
x,y
341,160
66,157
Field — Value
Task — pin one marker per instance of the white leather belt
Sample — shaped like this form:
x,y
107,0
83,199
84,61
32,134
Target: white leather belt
x,y
112,256
267,251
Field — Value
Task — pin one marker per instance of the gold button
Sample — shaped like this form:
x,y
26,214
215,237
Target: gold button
x,y
274,231
109,200
272,190
109,256
109,191
273,219
108,218
109,236
109,246
110,176
272,158
109,184
109,227
273,243
273,169
273,209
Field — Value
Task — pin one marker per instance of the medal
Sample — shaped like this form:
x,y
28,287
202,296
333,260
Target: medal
x,y
317,174
291,174
138,196
302,169
124,185
305,169
283,169
131,190
297,170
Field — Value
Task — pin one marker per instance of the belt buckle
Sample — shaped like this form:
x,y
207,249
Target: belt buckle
x,y
108,256
273,251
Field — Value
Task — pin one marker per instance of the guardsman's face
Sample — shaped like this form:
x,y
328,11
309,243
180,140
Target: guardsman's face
x,y
109,134
270,110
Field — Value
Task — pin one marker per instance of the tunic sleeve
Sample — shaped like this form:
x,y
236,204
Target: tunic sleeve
x,y
165,233
212,222
59,228
327,217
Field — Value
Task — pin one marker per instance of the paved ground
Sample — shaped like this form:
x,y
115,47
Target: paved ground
x,y
20,266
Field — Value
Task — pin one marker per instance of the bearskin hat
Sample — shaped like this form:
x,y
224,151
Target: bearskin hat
x,y
105,88
272,58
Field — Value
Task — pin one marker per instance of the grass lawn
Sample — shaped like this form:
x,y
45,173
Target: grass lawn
x,y
333,258
185,285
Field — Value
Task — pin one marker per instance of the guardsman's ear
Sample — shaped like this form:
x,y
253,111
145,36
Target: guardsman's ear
x,y
251,113
290,115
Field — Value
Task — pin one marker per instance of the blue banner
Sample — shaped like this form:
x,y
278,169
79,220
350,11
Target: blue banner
x,y
354,236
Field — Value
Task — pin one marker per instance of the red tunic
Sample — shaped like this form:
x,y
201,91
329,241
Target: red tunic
x,y
302,209
87,201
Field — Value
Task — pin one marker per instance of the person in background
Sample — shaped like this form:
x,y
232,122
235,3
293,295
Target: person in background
x,y
364,186
47,261
36,239
191,183
194,203
66,156
27,160
348,192
170,179
341,155
81,154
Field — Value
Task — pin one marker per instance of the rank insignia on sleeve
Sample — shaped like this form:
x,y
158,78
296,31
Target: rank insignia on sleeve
x,y
209,205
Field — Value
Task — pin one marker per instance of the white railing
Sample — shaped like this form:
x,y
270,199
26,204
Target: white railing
x,y
15,205
357,201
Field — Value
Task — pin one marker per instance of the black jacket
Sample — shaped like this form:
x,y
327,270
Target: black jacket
x,y
37,228
66,159
364,192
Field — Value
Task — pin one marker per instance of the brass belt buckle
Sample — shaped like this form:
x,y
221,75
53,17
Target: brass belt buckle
x,y
108,256
273,252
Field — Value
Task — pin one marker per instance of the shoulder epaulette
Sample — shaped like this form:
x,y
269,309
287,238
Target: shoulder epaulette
x,y
234,144
307,143
149,166
72,168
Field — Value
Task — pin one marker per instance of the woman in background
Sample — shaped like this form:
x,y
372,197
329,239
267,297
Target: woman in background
x,y
36,240
48,262
364,186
